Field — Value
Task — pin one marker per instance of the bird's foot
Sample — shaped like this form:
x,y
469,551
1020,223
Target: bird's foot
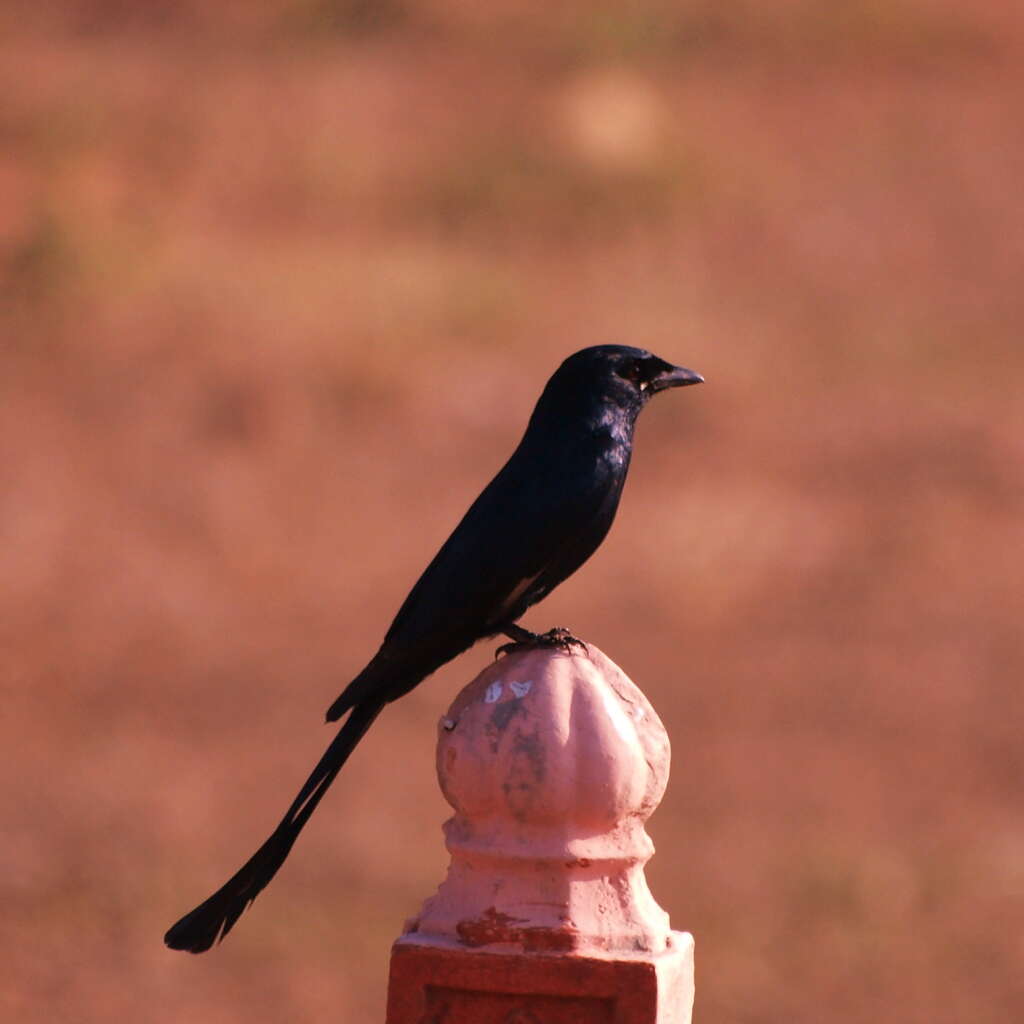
x,y
524,640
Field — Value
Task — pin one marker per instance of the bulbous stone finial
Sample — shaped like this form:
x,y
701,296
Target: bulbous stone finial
x,y
553,760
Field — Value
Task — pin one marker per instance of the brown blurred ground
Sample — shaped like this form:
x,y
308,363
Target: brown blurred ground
x,y
280,284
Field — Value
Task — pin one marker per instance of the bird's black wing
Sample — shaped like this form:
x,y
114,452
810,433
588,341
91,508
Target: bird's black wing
x,y
540,518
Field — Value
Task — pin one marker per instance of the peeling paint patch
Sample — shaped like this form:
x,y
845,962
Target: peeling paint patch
x,y
503,714
493,693
525,772
521,689
494,927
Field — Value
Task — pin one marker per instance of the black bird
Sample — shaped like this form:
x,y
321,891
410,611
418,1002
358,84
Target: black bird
x,y
534,525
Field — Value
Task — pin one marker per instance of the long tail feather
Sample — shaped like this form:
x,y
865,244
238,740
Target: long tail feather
x,y
201,928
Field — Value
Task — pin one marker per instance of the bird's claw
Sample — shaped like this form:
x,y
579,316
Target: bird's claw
x,y
559,638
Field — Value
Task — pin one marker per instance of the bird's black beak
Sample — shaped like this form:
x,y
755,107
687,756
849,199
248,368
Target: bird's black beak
x,y
675,377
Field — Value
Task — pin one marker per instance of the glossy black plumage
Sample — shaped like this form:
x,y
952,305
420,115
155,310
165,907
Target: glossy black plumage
x,y
538,520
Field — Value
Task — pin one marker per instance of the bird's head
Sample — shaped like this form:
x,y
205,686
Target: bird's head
x,y
626,376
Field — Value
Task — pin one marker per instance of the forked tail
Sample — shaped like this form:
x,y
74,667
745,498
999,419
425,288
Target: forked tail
x,y
198,930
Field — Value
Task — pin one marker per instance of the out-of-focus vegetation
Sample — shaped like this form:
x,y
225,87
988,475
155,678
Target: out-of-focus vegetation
x,y
279,283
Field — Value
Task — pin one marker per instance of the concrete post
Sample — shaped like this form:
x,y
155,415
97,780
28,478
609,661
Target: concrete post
x,y
552,761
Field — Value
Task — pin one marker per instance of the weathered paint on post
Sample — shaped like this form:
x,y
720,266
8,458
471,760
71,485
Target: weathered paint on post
x,y
553,761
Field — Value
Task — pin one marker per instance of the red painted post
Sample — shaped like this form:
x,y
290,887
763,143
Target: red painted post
x,y
552,761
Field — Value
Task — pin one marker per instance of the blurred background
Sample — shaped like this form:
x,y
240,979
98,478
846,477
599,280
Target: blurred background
x,y
280,285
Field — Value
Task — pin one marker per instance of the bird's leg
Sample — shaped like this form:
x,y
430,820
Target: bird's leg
x,y
523,639
519,635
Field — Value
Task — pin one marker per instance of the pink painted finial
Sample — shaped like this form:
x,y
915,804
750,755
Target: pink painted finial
x,y
553,761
